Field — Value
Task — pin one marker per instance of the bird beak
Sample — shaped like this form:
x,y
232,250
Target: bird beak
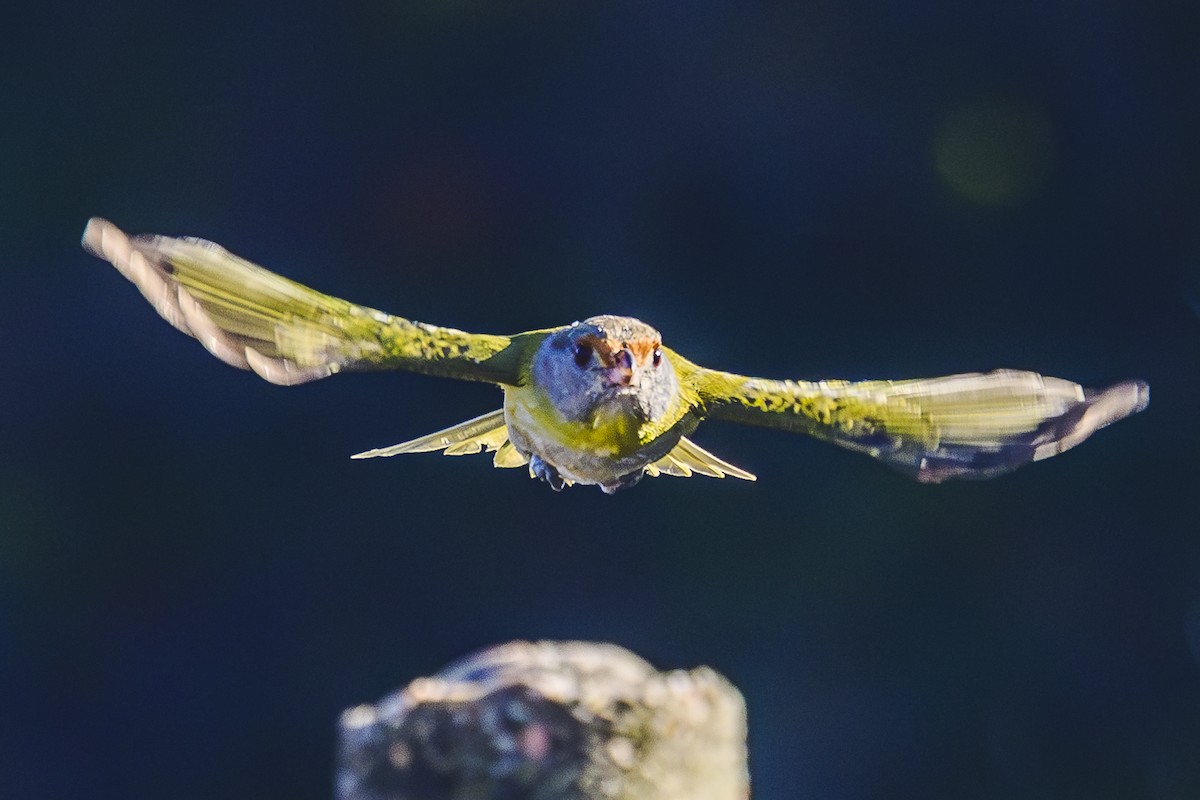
x,y
620,372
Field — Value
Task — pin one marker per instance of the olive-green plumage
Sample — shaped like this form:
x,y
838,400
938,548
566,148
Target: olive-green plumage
x,y
603,401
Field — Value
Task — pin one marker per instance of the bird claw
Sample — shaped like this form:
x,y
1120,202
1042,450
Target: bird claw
x,y
545,472
624,482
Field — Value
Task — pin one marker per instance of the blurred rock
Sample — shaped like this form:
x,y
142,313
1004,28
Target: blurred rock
x,y
549,721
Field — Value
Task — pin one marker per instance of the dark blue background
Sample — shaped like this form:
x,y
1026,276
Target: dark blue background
x,y
195,580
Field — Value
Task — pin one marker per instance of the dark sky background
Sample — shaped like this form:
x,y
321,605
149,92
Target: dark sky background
x,y
195,579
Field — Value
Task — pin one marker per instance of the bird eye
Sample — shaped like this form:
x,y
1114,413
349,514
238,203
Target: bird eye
x,y
656,358
583,355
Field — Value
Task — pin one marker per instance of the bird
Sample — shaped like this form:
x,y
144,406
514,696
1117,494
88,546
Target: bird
x,y
603,401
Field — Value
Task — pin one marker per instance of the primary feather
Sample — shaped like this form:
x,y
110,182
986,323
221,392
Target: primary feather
x,y
975,425
253,319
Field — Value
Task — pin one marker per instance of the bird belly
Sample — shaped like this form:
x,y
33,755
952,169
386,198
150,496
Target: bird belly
x,y
587,454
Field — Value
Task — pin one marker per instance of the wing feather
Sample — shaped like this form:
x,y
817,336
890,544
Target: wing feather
x,y
284,331
974,425
688,458
485,433
508,456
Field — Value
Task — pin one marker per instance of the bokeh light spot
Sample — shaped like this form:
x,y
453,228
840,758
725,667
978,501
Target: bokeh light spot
x,y
995,153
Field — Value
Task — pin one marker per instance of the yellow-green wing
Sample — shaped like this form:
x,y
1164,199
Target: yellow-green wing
x,y
487,433
688,458
975,425
483,434
284,331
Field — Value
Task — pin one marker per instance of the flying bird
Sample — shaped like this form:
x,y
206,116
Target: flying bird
x,y
603,401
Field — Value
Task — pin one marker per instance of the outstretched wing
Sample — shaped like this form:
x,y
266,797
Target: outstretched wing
x,y
977,425
286,332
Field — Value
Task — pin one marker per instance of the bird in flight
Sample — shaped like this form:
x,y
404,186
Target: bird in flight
x,y
603,401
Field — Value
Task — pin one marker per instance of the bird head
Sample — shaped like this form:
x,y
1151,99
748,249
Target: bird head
x,y
606,364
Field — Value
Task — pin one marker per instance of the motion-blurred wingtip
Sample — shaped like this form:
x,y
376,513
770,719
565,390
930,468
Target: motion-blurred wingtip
x,y
92,234
1143,396
1124,399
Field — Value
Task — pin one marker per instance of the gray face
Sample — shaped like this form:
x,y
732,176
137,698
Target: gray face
x,y
606,360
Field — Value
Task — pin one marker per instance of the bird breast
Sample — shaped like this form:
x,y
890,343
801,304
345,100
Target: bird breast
x,y
600,449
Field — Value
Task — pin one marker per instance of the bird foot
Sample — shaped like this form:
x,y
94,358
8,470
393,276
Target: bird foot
x,y
623,482
545,472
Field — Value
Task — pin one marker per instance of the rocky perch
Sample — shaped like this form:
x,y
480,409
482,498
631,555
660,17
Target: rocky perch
x,y
549,721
